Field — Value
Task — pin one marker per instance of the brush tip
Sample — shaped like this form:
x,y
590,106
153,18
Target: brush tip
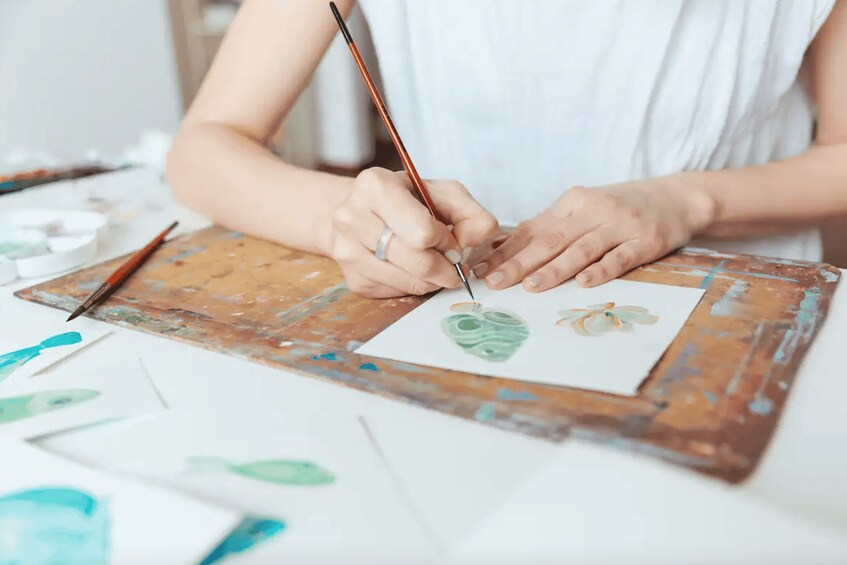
x,y
75,314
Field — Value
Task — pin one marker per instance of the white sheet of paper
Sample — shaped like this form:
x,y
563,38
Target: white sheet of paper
x,y
137,523
614,362
61,401
22,356
598,505
359,518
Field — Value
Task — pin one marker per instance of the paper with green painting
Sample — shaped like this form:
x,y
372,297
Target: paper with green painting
x,y
320,477
56,512
70,399
605,338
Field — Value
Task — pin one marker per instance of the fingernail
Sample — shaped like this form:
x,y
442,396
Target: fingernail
x,y
453,256
480,270
466,252
533,281
495,278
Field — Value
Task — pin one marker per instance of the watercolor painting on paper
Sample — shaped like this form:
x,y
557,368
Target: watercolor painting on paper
x,y
605,338
14,360
54,511
22,357
599,319
32,408
274,471
488,333
251,532
53,526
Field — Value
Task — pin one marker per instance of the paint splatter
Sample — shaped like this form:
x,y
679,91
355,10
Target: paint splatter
x,y
276,471
711,397
369,367
486,412
507,394
488,333
726,305
325,357
53,526
599,319
11,362
251,532
760,405
20,407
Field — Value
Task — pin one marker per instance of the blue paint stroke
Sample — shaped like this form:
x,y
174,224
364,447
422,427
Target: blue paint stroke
x,y
325,357
739,372
694,272
312,305
187,253
726,305
369,367
679,371
53,526
486,412
508,394
829,276
760,405
707,280
711,397
251,532
11,362
803,328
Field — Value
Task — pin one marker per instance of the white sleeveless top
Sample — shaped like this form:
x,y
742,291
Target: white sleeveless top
x,y
521,99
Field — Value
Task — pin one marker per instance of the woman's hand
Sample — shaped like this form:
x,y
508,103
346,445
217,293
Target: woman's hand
x,y
598,234
421,253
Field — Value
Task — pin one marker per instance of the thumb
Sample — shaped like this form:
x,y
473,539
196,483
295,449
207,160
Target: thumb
x,y
472,224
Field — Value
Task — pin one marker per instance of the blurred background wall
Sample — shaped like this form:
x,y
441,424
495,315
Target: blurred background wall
x,y
83,75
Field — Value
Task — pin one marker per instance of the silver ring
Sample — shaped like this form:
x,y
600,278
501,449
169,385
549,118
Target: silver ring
x,y
382,244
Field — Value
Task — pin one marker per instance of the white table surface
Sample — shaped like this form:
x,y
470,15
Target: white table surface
x,y
478,487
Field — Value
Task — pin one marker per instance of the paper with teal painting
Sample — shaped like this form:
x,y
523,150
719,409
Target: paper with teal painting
x,y
27,349
56,512
68,399
318,485
605,338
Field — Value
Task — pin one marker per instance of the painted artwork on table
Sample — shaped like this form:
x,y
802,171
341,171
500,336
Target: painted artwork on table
x,y
275,471
14,360
54,511
27,406
488,333
252,531
53,526
518,335
603,318
28,350
316,486
33,408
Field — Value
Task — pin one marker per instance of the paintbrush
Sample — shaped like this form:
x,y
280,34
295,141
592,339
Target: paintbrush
x,y
123,272
419,185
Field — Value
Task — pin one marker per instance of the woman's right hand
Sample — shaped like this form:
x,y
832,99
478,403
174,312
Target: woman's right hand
x,y
421,253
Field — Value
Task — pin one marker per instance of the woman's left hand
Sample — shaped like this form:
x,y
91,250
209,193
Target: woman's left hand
x,y
598,234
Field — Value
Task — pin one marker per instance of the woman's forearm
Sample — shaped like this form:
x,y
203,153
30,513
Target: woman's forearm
x,y
239,184
775,197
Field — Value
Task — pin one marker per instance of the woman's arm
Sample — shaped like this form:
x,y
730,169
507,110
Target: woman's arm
x,y
598,234
220,165
805,189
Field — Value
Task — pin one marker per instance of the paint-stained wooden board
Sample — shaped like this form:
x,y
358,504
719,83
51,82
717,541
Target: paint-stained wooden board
x,y
711,403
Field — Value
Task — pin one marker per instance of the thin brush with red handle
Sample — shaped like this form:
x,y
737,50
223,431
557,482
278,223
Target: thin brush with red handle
x,y
124,271
419,185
